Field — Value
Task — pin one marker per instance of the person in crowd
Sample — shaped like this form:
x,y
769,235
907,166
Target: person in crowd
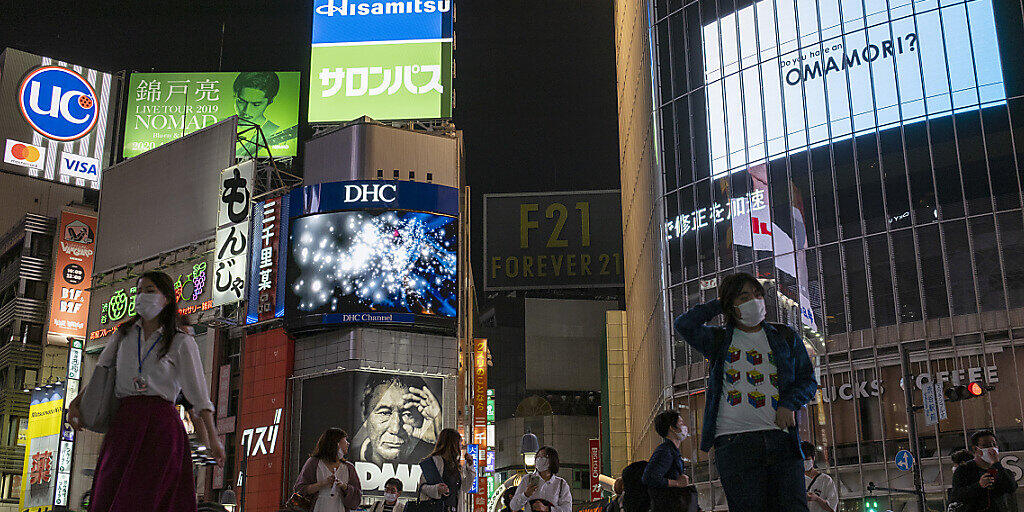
x,y
635,497
543,490
446,474
329,477
506,499
665,475
822,494
389,503
760,375
983,484
615,503
155,359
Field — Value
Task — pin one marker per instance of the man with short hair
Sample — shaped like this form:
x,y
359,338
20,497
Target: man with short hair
x,y
760,375
822,495
392,490
983,484
401,420
664,474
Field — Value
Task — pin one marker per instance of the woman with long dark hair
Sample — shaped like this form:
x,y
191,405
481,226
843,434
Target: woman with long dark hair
x,y
543,490
145,461
329,477
446,474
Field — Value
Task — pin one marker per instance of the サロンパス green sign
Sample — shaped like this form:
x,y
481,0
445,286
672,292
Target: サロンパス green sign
x,y
166,106
384,81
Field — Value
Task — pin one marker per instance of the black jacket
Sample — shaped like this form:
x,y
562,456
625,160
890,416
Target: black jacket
x,y
997,498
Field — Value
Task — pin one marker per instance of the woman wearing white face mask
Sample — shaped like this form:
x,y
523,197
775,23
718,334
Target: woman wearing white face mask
x,y
543,490
327,477
759,377
822,495
144,461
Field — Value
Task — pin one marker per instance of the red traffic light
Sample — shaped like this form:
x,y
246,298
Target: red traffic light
x,y
975,389
962,392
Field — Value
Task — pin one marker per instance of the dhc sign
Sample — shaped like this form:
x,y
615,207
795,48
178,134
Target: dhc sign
x,y
371,193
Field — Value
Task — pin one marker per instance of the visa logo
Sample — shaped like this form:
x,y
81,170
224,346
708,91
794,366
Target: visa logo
x,y
77,166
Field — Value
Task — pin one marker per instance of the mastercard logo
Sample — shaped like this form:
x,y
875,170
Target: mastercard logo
x,y
24,152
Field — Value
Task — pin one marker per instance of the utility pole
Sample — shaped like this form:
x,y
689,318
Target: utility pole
x,y
915,443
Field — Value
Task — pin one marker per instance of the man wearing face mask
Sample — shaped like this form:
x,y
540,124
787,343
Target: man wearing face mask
x,y
664,475
759,376
392,490
983,484
822,495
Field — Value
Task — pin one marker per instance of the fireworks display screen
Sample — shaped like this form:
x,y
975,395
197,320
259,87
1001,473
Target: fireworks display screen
x,y
376,266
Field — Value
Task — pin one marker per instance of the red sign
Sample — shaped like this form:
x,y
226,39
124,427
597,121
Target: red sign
x,y
268,234
262,421
595,469
72,275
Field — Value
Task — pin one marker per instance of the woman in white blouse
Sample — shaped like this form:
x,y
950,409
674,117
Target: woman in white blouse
x,y
145,462
543,490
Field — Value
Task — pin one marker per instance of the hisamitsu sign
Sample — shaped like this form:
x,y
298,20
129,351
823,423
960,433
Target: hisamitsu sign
x,y
553,240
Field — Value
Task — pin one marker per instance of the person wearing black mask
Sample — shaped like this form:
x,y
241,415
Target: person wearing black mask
x,y
983,484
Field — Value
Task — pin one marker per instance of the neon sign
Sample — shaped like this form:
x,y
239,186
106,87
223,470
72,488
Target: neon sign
x,y
188,287
716,213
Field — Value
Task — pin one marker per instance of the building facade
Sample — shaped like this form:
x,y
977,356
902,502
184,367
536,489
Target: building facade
x,y
863,161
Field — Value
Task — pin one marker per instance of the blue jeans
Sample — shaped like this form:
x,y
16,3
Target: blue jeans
x,y
761,472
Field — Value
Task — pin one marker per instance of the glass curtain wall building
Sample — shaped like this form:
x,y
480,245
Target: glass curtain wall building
x,y
863,159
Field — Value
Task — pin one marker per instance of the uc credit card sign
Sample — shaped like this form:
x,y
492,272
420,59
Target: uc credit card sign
x,y
385,59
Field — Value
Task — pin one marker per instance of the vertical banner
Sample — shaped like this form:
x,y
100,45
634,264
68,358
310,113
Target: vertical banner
x,y
473,450
72,271
231,250
595,469
264,270
67,433
480,415
39,479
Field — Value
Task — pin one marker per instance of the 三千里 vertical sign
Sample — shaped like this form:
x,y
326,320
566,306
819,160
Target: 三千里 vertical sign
x,y
269,231
384,59
231,250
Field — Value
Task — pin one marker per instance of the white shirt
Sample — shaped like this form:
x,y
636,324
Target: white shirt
x,y
330,499
824,487
180,371
749,393
555,491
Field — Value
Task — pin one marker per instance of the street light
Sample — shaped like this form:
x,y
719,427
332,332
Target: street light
x,y
529,450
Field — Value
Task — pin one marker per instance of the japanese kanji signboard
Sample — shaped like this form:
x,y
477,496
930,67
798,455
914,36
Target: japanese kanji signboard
x,y
269,232
231,250
39,479
166,106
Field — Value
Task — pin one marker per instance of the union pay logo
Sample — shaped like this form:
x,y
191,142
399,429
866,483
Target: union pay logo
x,y
58,103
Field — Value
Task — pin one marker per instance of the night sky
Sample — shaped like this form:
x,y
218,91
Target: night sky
x,y
535,81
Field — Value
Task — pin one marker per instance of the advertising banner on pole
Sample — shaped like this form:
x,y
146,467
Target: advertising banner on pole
x,y
231,250
72,273
266,270
167,106
40,479
386,60
595,469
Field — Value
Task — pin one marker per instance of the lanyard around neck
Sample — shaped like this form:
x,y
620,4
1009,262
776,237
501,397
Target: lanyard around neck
x,y
139,342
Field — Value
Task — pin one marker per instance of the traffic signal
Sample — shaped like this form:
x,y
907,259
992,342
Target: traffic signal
x,y
965,392
870,505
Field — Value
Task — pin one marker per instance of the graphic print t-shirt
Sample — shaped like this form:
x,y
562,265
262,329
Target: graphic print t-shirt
x,y
750,393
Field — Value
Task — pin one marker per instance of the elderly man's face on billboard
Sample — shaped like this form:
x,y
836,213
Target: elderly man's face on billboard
x,y
398,417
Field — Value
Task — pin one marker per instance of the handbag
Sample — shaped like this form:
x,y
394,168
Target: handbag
x,y
98,404
299,502
430,474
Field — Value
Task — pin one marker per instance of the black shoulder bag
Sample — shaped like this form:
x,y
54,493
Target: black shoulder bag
x,y
430,477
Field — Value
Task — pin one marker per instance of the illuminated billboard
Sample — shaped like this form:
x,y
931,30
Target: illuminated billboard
x,y
167,106
383,59
372,252
396,420
72,269
779,80
54,119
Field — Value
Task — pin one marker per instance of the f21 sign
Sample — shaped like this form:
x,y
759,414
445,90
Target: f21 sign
x,y
232,247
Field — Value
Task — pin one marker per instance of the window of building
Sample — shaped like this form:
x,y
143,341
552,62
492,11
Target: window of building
x,y
42,246
11,486
36,289
31,333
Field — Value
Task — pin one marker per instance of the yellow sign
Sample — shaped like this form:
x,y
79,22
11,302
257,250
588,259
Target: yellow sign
x,y
39,474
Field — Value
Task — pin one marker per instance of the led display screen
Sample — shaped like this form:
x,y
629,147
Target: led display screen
x,y
786,76
373,266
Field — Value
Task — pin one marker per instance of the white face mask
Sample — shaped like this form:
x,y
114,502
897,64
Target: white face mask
x,y
808,465
149,305
541,463
390,497
341,454
751,312
990,455
683,434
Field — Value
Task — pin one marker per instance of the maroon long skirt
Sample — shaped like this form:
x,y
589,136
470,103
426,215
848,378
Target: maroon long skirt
x,y
144,463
